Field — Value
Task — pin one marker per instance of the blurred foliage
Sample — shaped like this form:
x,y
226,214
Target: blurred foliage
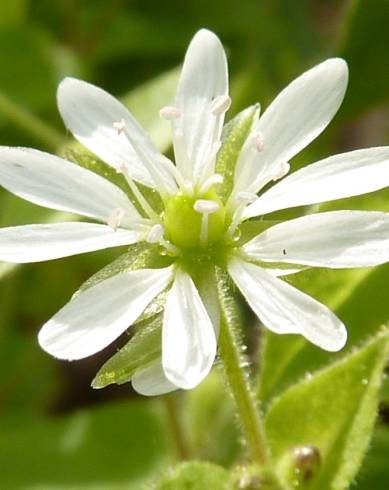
x,y
51,435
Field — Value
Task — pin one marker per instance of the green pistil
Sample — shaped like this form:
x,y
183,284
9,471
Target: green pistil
x,y
183,224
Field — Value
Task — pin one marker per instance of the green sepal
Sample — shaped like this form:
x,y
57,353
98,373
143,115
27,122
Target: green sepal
x,y
333,411
234,135
140,351
139,256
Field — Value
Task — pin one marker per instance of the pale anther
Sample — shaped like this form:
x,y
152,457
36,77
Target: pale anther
x,y
122,168
246,197
258,141
210,181
169,113
205,206
220,105
155,234
115,218
119,126
282,170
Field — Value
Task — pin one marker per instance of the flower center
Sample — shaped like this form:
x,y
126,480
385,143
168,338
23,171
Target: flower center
x,y
195,222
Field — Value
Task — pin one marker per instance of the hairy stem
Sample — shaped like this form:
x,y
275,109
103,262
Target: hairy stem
x,y
230,351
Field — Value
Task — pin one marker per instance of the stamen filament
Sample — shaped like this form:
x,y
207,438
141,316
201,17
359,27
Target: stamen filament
x,y
139,196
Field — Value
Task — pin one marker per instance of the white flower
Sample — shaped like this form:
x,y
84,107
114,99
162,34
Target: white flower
x,y
196,226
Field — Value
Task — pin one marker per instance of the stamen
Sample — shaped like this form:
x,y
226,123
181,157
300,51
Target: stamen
x,y
205,207
122,168
180,151
139,197
210,181
246,197
155,234
115,218
169,113
258,141
220,105
119,126
209,160
283,169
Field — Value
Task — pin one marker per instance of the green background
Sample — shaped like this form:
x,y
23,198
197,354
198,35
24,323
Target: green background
x,y
55,431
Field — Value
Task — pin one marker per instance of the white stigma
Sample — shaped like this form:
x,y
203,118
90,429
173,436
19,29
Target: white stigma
x,y
205,207
115,218
258,141
169,113
119,126
210,181
246,197
282,170
220,105
155,234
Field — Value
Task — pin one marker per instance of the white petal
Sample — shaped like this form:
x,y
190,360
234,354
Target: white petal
x,y
204,76
296,117
344,175
34,243
96,317
283,309
55,183
152,381
335,239
92,115
188,337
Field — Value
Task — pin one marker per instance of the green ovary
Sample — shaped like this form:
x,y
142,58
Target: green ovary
x,y
183,223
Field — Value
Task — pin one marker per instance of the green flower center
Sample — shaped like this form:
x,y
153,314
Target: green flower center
x,y
193,230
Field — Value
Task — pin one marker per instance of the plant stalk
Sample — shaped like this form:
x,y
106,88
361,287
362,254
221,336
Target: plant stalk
x,y
248,411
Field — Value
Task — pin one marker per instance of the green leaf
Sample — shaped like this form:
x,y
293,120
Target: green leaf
x,y
334,411
139,352
115,446
374,474
233,137
195,475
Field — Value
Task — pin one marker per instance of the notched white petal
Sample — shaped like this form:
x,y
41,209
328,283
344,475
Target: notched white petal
x,y
337,239
188,336
36,243
105,126
202,98
97,316
152,381
284,309
55,183
336,177
296,117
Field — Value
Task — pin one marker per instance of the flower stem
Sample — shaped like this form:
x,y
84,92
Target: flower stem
x,y
30,123
241,391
